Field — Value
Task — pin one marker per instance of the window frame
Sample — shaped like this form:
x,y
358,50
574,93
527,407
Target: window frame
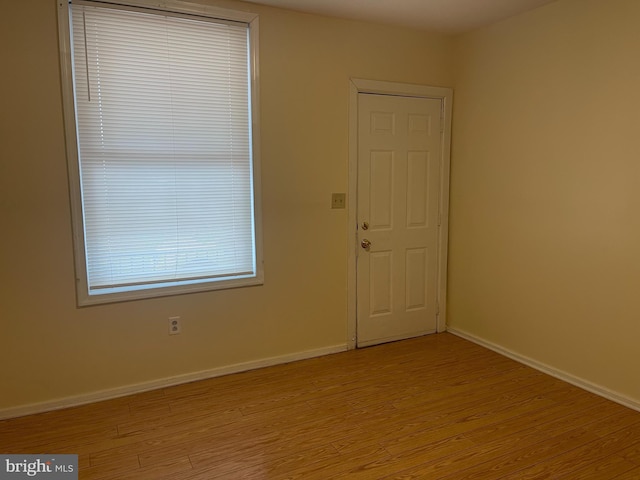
x,y
83,296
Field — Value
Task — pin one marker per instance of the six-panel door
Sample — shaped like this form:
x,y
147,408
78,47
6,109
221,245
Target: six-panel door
x,y
399,148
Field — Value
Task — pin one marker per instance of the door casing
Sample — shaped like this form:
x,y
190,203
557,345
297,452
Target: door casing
x,y
445,95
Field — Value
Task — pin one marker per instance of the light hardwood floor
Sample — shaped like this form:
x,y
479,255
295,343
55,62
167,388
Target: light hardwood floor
x,y
436,407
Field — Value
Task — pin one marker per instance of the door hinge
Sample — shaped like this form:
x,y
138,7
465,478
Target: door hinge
x,y
439,218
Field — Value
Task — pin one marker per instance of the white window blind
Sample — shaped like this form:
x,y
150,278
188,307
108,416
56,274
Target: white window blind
x,y
163,117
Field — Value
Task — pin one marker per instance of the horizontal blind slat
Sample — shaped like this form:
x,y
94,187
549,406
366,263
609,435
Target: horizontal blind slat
x,y
163,125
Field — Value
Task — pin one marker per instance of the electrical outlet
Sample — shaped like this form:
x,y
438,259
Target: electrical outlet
x,y
175,327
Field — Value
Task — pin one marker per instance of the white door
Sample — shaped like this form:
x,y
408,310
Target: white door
x,y
399,151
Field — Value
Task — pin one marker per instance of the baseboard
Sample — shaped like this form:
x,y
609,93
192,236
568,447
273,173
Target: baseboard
x,y
101,395
554,372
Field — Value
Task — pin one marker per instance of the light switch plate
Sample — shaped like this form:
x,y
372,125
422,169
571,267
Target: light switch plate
x,y
338,200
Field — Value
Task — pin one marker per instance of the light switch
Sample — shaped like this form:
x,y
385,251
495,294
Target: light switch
x,y
338,200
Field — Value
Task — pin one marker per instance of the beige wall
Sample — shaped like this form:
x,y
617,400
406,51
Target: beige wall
x,y
50,349
545,230
545,195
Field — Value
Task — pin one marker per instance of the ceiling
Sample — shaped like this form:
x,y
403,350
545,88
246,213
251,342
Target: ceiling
x,y
450,16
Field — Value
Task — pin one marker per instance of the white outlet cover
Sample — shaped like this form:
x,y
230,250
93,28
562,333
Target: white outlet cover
x,y
175,326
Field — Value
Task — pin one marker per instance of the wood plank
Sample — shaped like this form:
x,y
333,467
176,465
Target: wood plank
x,y
436,407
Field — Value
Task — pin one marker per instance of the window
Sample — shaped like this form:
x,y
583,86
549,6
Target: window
x,y
160,114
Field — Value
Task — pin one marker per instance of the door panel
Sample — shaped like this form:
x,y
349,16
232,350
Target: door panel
x,y
380,288
417,194
416,275
399,146
381,190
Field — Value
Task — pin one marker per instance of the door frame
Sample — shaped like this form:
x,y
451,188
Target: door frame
x,y
445,95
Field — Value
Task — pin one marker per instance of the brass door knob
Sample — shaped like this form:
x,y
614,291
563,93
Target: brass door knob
x,y
366,244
